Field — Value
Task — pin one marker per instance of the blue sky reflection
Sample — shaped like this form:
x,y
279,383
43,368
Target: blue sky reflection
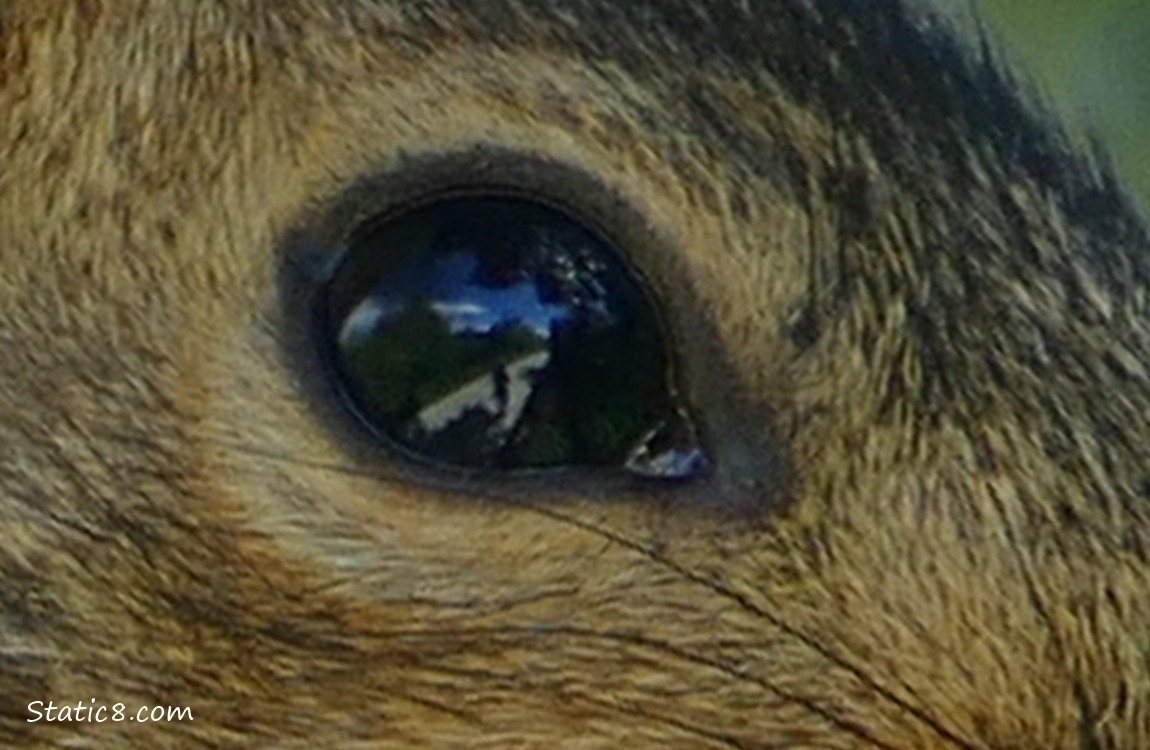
x,y
448,282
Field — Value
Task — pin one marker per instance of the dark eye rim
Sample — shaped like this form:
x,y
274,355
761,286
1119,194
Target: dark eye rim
x,y
315,235
322,325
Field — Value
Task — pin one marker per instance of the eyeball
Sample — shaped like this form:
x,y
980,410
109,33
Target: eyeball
x,y
500,333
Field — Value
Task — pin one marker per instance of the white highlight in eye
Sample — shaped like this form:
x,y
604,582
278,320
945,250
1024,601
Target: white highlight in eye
x,y
482,392
363,320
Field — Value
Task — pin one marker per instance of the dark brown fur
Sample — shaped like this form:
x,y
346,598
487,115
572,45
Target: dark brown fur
x,y
914,323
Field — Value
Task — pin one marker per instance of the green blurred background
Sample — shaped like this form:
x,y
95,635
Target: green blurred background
x,y
1092,59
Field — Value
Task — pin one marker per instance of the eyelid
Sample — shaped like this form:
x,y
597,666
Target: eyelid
x,y
325,235
326,230
618,204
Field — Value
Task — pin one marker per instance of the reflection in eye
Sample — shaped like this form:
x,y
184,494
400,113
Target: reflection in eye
x,y
499,333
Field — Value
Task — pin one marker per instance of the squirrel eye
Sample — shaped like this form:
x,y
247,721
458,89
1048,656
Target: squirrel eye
x,y
494,332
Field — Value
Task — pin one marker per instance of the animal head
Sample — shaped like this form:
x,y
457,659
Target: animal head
x,y
908,318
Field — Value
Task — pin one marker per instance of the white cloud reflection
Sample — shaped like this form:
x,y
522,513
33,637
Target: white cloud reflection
x,y
454,310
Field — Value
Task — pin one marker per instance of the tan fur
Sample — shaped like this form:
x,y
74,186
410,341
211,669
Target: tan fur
x,y
879,560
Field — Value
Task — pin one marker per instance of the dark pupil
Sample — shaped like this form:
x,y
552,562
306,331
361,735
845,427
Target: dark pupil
x,y
499,333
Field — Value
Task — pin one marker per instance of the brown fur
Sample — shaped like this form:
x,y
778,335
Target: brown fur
x,y
914,323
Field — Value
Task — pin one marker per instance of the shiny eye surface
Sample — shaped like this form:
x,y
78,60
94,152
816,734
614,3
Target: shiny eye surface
x,y
494,332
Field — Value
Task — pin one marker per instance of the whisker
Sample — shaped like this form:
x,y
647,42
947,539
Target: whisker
x,y
745,603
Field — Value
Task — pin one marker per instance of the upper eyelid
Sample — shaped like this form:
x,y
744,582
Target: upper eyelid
x,y
316,243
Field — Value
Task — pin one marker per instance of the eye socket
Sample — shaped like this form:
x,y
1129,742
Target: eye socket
x,y
496,332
